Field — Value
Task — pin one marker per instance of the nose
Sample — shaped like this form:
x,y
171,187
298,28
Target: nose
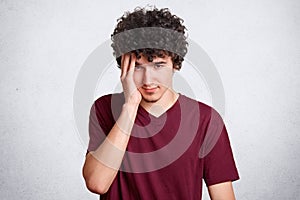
x,y
147,76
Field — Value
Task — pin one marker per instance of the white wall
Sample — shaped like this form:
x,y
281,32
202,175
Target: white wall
x,y
254,45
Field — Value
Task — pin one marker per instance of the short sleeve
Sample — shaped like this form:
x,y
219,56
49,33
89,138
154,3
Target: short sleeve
x,y
219,164
96,133
103,115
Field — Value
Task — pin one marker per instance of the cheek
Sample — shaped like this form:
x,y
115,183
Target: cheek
x,y
166,77
138,79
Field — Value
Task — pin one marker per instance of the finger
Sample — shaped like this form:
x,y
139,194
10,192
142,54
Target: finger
x,y
132,64
124,67
122,63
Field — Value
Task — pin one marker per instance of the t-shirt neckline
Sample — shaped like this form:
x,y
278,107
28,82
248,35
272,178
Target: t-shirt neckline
x,y
144,111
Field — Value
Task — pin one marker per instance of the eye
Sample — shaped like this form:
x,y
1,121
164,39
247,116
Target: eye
x,y
157,66
137,67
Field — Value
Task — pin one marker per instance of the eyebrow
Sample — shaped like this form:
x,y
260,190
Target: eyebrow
x,y
157,63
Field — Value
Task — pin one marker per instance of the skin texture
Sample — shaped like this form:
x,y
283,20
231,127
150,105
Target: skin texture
x,y
221,191
97,174
154,81
148,84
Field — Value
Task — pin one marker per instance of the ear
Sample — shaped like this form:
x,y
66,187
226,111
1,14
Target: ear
x,y
175,68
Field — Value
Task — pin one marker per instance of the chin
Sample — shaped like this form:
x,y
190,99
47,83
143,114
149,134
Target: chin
x,y
151,98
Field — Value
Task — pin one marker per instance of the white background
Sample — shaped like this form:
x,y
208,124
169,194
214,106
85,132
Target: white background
x,y
254,45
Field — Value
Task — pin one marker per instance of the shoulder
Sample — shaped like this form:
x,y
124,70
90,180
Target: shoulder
x,y
205,110
109,99
108,105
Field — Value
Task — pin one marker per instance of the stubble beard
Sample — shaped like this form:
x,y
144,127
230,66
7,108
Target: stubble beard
x,y
155,99
150,100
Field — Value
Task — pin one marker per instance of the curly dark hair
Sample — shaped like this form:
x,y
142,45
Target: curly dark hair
x,y
153,17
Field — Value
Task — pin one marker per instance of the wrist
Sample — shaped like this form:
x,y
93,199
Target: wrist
x,y
130,107
127,117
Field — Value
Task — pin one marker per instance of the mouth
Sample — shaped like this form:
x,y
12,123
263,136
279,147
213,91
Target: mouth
x,y
151,89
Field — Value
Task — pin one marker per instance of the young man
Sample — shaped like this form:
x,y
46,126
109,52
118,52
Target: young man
x,y
150,142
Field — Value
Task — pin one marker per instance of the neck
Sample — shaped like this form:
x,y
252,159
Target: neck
x,y
162,105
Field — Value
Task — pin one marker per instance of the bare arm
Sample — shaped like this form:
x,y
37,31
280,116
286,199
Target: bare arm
x,y
221,191
102,165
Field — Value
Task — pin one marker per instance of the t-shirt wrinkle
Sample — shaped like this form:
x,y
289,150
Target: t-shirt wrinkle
x,y
181,178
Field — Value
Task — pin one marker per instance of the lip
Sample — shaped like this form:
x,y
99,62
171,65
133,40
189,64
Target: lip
x,y
150,90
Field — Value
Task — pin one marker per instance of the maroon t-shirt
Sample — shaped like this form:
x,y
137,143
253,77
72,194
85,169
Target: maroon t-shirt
x,y
167,156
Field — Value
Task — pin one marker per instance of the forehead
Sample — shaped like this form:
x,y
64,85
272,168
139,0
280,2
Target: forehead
x,y
143,59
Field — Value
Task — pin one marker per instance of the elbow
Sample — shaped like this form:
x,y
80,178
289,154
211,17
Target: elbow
x,y
96,180
96,187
